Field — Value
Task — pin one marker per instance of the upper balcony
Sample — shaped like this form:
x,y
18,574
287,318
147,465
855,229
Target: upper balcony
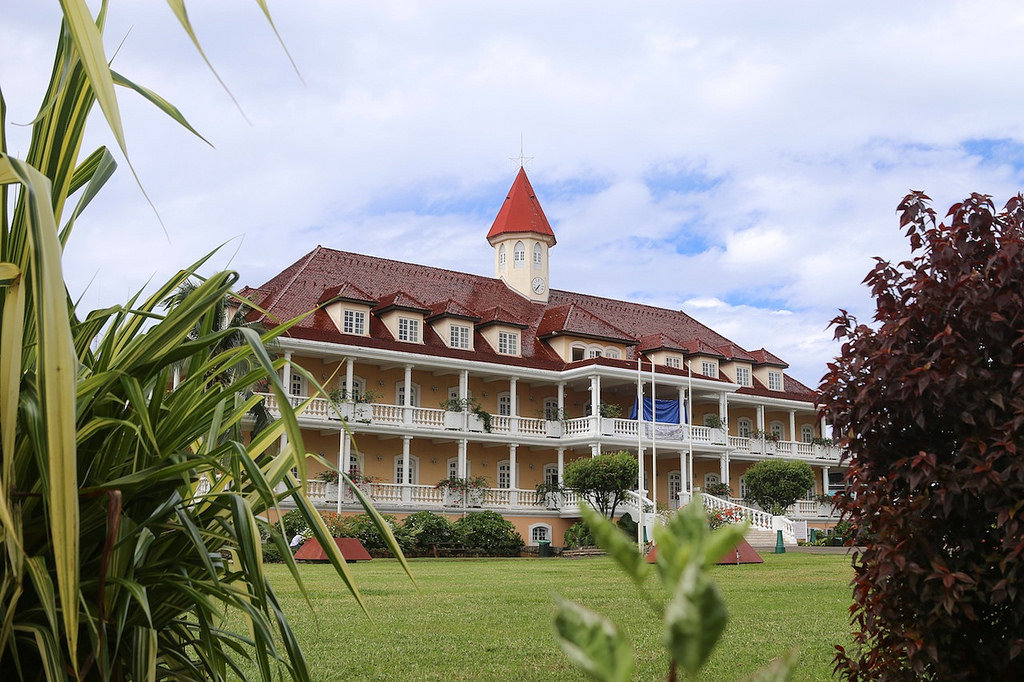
x,y
365,416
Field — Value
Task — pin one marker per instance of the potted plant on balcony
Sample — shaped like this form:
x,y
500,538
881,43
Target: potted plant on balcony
x,y
824,444
553,494
330,477
718,428
454,419
356,406
554,421
462,492
769,439
609,413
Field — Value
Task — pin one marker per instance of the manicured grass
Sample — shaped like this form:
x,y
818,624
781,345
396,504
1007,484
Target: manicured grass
x,y
490,619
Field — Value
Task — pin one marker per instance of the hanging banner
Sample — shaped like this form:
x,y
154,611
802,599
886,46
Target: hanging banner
x,y
668,411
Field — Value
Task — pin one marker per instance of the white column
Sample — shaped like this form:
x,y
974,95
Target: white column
x,y
462,459
760,418
513,477
406,474
407,398
723,465
344,453
792,430
595,405
561,399
463,384
513,398
684,486
561,464
821,428
824,480
349,377
723,408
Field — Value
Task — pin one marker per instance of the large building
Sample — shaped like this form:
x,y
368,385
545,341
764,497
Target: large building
x,y
442,374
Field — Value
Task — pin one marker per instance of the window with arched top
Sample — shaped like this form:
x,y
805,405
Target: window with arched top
x,y
538,256
744,427
806,433
777,429
414,469
519,255
501,257
540,531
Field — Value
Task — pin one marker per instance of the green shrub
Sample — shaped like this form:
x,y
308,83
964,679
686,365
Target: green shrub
x,y
271,553
427,529
488,532
294,524
362,528
578,535
627,525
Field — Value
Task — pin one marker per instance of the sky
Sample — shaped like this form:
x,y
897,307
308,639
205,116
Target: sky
x,y
741,161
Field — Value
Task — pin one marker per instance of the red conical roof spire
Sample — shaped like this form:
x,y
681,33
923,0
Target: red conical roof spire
x,y
521,212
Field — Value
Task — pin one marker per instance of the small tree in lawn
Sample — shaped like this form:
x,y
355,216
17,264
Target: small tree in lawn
x,y
603,480
777,483
931,400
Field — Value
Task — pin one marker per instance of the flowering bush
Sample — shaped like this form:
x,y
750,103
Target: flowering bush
x,y
358,477
461,485
328,476
718,489
724,517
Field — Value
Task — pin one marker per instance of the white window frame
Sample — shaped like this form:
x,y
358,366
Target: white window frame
x,y
504,472
675,479
709,368
538,257
743,487
774,381
777,428
453,467
711,478
545,528
400,394
414,466
353,322
505,404
297,385
502,257
577,350
519,255
674,361
460,336
409,329
551,474
744,427
612,353
551,409
508,343
743,376
806,433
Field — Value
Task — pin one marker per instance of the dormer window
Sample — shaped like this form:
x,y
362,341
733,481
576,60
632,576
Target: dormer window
x,y
354,322
673,361
709,368
408,329
578,353
774,381
519,255
743,376
459,335
508,343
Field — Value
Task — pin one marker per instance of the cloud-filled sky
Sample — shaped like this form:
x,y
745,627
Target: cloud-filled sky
x,y
741,161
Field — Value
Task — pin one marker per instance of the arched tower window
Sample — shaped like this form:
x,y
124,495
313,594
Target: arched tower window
x,y
538,256
519,255
501,257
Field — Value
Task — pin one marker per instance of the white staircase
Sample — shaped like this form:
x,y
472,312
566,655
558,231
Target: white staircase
x,y
764,527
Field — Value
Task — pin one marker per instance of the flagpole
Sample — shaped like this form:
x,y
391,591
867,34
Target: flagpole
x,y
640,452
654,440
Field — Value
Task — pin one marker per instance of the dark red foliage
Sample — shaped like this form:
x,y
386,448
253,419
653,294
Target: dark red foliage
x,y
931,400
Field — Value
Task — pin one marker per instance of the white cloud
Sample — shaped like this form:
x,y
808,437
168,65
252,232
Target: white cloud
x,y
747,153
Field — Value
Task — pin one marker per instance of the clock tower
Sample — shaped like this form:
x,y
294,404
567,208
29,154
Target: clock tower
x,y
521,237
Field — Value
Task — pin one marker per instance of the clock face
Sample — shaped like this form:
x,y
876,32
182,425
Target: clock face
x,y
538,285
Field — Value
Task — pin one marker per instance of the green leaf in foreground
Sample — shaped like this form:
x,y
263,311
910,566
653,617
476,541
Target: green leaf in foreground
x,y
593,643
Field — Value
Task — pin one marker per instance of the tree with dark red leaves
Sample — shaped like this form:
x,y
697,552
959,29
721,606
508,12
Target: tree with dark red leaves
x,y
930,402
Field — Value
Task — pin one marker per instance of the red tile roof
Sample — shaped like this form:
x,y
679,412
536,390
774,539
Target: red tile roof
x,y
521,212
346,292
574,320
399,300
302,285
763,357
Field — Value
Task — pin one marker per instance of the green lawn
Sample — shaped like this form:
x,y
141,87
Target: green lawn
x,y
490,619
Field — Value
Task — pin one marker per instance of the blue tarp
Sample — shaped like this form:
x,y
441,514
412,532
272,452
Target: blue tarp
x,y
668,411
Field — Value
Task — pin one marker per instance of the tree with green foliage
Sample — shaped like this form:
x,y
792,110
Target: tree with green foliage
x,y
131,515
428,529
931,400
603,480
777,483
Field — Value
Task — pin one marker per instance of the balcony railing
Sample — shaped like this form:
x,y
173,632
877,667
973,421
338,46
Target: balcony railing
x,y
436,419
